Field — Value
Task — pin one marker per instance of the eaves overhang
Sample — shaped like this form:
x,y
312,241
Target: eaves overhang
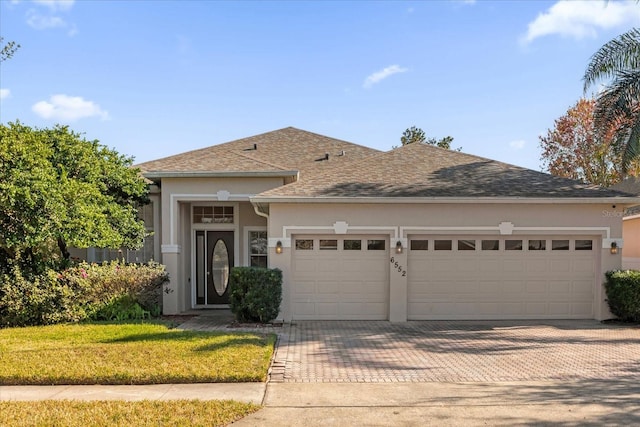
x,y
624,201
221,174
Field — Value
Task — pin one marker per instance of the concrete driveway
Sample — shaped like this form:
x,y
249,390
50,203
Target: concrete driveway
x,y
456,351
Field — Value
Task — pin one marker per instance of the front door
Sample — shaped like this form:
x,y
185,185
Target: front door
x,y
214,260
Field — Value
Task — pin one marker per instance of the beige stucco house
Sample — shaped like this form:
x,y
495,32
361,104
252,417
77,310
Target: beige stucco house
x,y
631,226
417,232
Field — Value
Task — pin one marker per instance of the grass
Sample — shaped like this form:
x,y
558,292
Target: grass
x,y
145,353
118,413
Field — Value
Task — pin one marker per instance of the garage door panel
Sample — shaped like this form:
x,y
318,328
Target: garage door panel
x,y
491,287
488,265
582,265
537,266
513,266
561,265
512,286
581,309
501,283
536,287
327,287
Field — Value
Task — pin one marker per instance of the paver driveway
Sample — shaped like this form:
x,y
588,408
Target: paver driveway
x,y
455,351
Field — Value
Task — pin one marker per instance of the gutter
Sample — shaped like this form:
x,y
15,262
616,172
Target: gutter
x,y
624,201
223,174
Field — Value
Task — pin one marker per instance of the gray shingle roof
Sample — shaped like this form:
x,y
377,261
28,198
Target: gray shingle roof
x,y
281,150
629,185
421,170
415,170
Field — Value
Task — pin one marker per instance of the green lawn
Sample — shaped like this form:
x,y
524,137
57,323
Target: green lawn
x,y
118,413
145,353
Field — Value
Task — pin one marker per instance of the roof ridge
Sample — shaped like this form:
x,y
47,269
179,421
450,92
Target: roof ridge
x,y
258,160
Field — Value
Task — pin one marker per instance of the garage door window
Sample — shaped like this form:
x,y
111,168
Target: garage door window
x,y
352,245
442,245
490,245
584,245
419,245
537,245
560,245
375,245
304,244
328,245
513,245
466,245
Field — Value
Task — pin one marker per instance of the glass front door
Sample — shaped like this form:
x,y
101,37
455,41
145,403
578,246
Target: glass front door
x,y
214,260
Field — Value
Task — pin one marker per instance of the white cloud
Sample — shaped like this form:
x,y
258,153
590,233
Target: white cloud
x,y
43,22
56,4
40,19
5,93
580,19
378,76
71,108
518,144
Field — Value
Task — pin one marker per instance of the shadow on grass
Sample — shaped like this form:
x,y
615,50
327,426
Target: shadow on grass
x,y
218,340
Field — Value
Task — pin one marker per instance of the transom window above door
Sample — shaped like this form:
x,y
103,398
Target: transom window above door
x,y
213,214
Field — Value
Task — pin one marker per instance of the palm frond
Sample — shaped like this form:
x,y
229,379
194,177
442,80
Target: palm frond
x,y
618,101
632,147
618,54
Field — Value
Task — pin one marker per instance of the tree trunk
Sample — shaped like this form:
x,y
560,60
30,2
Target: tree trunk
x,y
63,248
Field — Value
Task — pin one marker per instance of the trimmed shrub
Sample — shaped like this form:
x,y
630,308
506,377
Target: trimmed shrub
x,y
255,293
623,294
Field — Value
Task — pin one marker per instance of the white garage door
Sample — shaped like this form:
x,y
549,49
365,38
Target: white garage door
x,y
340,278
501,278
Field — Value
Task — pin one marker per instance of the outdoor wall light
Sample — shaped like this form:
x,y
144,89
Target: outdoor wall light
x,y
399,247
279,247
614,248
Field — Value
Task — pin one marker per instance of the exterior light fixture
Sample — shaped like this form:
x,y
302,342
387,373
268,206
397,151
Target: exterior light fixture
x,y
399,247
279,247
614,248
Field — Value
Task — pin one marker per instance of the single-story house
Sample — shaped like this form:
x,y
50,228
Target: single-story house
x,y
631,225
417,232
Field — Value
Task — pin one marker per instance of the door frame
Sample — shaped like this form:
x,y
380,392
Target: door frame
x,y
234,227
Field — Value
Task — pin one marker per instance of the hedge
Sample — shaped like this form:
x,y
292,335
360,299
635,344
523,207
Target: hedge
x,y
623,294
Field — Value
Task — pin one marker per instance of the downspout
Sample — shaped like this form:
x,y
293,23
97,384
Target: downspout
x,y
258,211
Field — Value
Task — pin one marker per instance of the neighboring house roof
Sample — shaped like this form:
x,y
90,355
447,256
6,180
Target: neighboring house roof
x,y
424,171
282,151
629,185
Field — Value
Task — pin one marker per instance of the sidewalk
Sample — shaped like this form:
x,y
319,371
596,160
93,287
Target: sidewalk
x,y
389,404
243,392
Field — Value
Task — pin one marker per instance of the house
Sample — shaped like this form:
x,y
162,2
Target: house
x,y
417,232
631,225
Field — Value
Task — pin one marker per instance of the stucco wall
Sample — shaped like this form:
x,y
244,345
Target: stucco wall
x,y
631,234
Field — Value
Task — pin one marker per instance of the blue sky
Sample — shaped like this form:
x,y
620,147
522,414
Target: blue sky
x,y
155,78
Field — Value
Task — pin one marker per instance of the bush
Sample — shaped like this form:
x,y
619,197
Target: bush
x,y
623,294
111,291
40,300
255,294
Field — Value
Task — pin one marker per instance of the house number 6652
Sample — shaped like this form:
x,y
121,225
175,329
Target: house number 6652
x,y
395,265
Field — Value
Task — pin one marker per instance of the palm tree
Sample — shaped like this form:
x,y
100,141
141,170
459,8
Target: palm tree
x,y
618,104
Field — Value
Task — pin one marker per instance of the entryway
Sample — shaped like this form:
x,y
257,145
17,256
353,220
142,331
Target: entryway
x,y
214,260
